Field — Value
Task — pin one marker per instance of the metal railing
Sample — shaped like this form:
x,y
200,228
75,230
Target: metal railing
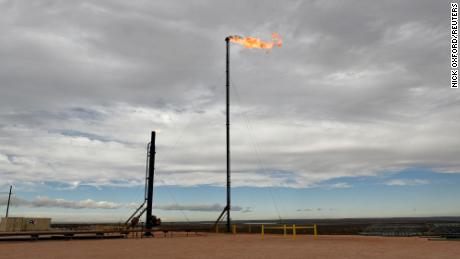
x,y
294,229
262,227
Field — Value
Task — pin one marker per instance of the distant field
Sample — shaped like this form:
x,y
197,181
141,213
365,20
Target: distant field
x,y
373,226
236,246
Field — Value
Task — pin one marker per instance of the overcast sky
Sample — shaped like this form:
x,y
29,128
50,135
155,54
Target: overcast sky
x,y
358,89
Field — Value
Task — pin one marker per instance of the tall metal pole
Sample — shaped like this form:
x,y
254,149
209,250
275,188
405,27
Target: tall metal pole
x,y
227,84
148,217
8,204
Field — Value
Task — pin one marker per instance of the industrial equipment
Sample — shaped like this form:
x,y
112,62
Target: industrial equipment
x,y
150,220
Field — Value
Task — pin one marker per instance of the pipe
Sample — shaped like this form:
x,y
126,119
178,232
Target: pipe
x,y
227,84
8,205
148,218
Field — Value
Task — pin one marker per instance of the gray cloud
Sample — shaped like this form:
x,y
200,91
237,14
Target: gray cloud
x,y
62,203
341,185
358,88
406,182
46,202
314,210
202,207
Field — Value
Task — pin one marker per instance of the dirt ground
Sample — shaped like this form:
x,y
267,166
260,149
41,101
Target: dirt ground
x,y
235,246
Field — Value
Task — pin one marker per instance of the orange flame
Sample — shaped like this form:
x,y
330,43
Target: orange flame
x,y
250,42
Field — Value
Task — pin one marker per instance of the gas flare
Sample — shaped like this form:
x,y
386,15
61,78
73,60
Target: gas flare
x,y
251,42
